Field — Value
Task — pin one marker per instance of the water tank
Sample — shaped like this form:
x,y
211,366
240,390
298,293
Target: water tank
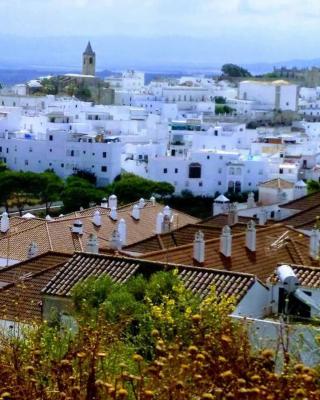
x,y
288,278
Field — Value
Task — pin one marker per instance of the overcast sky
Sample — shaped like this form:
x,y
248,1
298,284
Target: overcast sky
x,y
261,29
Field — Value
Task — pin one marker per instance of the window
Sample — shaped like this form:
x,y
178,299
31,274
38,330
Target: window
x,y
104,154
195,170
103,168
51,137
237,187
90,60
7,150
50,150
231,171
26,162
62,165
221,157
176,170
281,171
72,153
220,170
200,184
216,132
30,149
238,171
260,171
219,183
165,170
249,184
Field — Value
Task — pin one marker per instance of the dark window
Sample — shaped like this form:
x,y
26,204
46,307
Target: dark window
x,y
200,184
62,165
281,171
103,168
50,137
176,170
195,170
208,157
0,149
237,187
165,170
50,150
90,60
104,154
7,150
72,153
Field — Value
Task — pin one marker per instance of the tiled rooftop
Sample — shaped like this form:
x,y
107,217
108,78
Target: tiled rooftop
x,y
56,235
120,269
307,276
303,203
20,292
277,184
294,249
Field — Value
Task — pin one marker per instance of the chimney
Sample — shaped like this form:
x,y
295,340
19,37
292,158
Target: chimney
x,y
166,225
159,223
220,205
300,189
314,244
233,214
5,223
122,229
250,200
113,201
135,212
113,214
262,216
167,211
104,203
142,203
251,236
96,219
226,241
77,227
153,200
115,241
32,250
199,247
48,218
92,244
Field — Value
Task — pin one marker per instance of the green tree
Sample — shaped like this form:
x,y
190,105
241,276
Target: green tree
x,y
220,100
223,109
50,188
313,186
235,71
78,193
49,86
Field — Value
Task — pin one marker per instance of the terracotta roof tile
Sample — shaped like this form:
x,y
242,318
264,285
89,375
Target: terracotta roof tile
x,y
304,203
120,269
277,183
260,263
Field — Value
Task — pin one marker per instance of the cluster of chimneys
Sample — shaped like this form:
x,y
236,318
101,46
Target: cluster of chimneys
x,y
225,242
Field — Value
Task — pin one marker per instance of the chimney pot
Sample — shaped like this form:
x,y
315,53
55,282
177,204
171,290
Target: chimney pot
x,y
314,244
92,244
32,250
77,227
199,247
122,229
159,223
251,236
5,223
135,212
96,219
113,214
113,201
226,241
104,203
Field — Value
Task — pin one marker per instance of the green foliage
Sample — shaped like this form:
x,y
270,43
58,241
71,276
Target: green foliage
x,y
50,188
220,100
49,86
83,93
78,193
130,187
87,175
313,186
235,71
223,109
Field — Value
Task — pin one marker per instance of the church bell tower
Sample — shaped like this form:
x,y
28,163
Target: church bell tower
x,y
89,61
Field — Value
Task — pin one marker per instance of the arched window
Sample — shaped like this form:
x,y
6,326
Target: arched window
x,y
195,170
90,60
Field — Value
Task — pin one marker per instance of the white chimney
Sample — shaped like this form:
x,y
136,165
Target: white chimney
x,y
251,236
300,189
166,225
135,212
220,205
92,244
159,223
199,247
153,200
104,203
167,211
250,200
115,241
142,203
226,241
96,219
314,244
32,250
262,216
122,229
233,214
113,201
48,218
113,213
5,223
77,227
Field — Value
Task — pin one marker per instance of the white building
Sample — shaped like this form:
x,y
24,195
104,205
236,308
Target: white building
x,y
276,95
